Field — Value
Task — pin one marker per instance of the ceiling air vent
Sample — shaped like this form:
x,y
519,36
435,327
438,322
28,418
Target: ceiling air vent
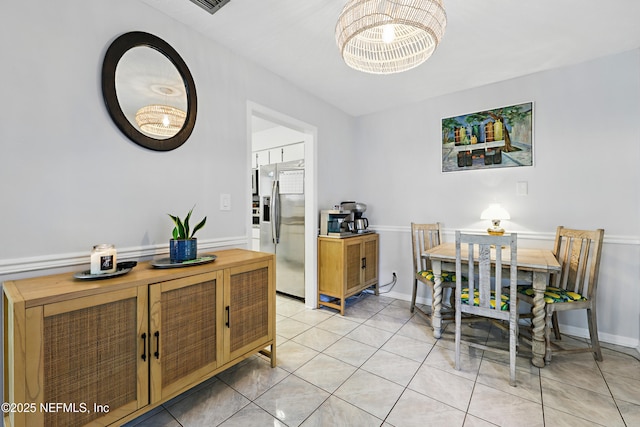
x,y
211,6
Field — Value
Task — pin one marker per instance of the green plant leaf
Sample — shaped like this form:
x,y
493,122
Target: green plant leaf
x,y
179,227
199,226
186,224
181,230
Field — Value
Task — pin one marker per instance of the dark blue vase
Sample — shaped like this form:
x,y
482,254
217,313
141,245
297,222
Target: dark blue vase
x,y
183,250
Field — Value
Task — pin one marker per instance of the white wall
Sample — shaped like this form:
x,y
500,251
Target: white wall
x,y
585,175
70,179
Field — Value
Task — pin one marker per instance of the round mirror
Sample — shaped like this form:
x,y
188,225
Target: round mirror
x,y
149,91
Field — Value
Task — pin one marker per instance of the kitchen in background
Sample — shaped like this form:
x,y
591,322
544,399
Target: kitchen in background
x,y
278,158
282,222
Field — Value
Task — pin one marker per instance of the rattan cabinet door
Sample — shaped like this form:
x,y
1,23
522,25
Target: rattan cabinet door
x,y
185,327
354,261
249,307
90,366
370,249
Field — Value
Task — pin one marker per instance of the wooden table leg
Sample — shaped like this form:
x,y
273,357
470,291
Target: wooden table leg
x,y
436,300
538,311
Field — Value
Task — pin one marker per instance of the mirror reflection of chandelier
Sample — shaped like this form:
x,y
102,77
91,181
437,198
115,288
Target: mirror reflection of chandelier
x,y
160,120
389,36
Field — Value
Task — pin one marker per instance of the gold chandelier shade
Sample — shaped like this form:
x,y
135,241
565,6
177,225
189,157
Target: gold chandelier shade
x,y
160,120
389,36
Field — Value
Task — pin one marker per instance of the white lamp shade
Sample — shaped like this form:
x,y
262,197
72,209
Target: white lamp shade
x,y
160,120
389,36
495,211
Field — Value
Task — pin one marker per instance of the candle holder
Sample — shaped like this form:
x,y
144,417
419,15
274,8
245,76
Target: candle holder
x,y
103,259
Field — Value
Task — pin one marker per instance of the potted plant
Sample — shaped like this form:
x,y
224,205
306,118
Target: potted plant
x,y
183,246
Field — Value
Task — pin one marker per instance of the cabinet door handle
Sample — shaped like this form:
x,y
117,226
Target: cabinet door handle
x,y
228,318
157,352
364,263
144,346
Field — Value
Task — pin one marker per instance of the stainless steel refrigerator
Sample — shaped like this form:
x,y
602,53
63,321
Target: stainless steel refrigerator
x,y
282,222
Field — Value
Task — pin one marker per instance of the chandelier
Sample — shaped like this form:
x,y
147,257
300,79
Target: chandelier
x,y
389,36
160,120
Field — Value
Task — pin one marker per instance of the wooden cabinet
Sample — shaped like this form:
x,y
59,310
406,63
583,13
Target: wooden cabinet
x,y
293,152
284,153
346,266
106,351
261,158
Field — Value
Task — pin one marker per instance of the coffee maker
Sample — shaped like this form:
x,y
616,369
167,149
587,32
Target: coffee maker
x,y
336,222
360,223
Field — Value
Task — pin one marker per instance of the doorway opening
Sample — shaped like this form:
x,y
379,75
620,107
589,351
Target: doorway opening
x,y
284,148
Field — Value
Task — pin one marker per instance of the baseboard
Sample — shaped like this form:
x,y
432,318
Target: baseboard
x,y
604,337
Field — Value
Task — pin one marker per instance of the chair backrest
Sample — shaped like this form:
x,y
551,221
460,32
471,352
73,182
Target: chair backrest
x,y
489,254
423,237
578,252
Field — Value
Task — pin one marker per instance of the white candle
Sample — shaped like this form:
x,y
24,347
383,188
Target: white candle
x,y
103,259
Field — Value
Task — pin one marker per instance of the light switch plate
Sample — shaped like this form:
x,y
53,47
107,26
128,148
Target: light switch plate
x,y
225,202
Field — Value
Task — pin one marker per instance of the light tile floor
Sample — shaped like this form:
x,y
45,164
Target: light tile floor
x,y
379,365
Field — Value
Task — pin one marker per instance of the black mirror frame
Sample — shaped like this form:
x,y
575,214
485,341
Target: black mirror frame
x,y
118,48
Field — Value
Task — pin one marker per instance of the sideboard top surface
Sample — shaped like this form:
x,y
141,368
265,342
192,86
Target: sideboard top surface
x,y
59,287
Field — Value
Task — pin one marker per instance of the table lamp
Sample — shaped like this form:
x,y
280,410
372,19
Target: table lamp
x,y
495,213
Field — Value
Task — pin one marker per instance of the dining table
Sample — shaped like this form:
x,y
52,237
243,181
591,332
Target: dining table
x,y
534,266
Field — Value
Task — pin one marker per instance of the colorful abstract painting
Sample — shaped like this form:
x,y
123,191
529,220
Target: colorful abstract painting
x,y
489,139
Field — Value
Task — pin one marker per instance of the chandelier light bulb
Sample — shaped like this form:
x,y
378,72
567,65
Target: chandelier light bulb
x,y
388,33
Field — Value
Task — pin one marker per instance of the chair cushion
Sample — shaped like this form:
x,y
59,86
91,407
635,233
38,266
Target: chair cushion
x,y
447,276
476,300
553,294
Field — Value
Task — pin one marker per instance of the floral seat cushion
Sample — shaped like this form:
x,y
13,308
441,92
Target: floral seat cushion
x,y
447,276
553,294
504,305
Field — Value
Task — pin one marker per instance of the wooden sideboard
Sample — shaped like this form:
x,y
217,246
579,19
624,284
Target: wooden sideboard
x,y
104,352
346,266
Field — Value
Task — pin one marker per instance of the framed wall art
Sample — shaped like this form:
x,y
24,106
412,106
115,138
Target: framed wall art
x,y
489,139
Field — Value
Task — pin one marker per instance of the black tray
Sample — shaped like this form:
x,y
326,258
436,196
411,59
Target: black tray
x,y
166,262
86,275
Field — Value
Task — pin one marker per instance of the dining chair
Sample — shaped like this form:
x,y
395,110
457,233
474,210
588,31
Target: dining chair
x,y
479,297
574,288
424,237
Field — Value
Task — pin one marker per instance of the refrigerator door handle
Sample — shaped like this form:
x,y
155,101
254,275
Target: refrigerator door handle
x,y
278,218
275,212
